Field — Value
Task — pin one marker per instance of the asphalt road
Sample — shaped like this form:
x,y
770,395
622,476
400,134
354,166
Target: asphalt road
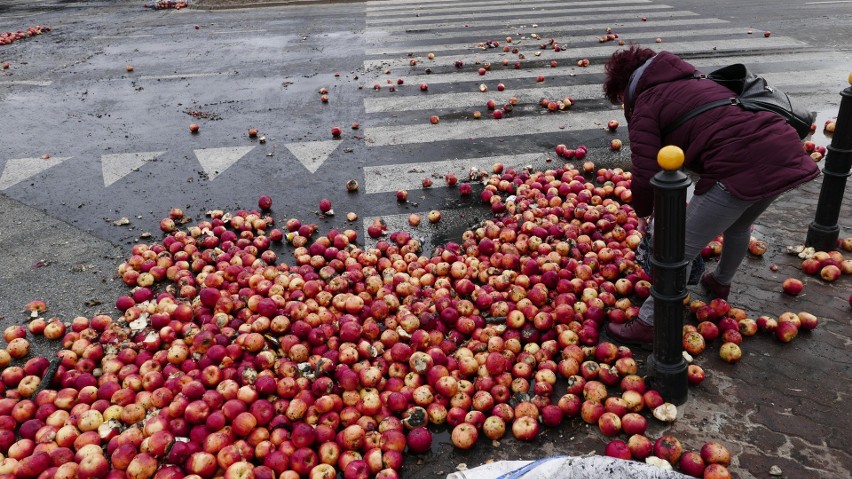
x,y
85,143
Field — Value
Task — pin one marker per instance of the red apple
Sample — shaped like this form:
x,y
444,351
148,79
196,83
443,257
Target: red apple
x,y
786,331
96,466
691,464
694,374
792,286
640,446
609,424
668,448
811,266
730,353
716,471
525,428
830,273
464,436
808,321
715,453
633,423
618,449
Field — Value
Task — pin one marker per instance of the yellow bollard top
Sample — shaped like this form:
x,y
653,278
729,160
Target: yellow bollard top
x,y
670,158
850,78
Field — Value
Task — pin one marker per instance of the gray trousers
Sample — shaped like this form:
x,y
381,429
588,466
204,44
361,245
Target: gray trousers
x,y
707,215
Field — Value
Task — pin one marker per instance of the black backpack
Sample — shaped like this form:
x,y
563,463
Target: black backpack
x,y
753,94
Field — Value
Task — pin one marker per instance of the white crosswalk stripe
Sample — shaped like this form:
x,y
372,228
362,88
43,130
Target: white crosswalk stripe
x,y
476,101
26,82
678,47
427,7
807,80
510,17
566,39
520,125
515,24
760,64
379,179
622,25
384,179
402,30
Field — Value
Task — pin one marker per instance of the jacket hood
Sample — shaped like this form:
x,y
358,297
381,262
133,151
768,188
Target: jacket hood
x,y
664,67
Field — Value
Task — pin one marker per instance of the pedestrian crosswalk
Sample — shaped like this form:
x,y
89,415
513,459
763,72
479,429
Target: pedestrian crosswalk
x,y
421,41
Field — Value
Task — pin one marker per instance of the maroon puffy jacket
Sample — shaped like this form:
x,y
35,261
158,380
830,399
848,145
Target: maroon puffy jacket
x,y
754,154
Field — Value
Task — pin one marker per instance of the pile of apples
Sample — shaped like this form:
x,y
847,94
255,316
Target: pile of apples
x,y
224,361
829,265
718,320
756,247
7,38
609,36
556,105
817,152
710,462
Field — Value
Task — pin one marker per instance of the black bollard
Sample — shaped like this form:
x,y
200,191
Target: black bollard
x,y
667,367
823,231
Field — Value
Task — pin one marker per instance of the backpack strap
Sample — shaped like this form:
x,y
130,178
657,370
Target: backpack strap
x,y
695,112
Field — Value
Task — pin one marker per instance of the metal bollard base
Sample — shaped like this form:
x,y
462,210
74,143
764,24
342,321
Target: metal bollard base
x,y
821,237
669,379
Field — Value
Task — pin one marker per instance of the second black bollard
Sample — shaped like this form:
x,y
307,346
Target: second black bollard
x,y
824,231
667,367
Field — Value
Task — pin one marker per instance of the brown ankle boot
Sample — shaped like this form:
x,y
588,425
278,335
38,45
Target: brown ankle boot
x,y
717,289
631,332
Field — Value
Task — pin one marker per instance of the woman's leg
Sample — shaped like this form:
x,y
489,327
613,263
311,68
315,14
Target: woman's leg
x,y
708,215
736,239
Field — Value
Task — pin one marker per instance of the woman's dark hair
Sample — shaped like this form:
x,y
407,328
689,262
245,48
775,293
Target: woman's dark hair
x,y
618,69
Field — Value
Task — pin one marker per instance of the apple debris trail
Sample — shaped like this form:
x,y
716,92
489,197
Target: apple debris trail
x,y
7,38
165,4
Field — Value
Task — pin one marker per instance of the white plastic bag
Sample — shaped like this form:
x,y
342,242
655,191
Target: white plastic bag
x,y
565,467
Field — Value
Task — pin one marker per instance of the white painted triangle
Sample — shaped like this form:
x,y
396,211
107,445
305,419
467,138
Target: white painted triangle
x,y
116,167
20,169
312,154
216,160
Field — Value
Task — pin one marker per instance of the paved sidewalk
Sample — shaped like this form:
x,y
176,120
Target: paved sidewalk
x,y
784,404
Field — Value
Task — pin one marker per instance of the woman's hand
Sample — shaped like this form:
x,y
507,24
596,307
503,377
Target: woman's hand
x,y
643,225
